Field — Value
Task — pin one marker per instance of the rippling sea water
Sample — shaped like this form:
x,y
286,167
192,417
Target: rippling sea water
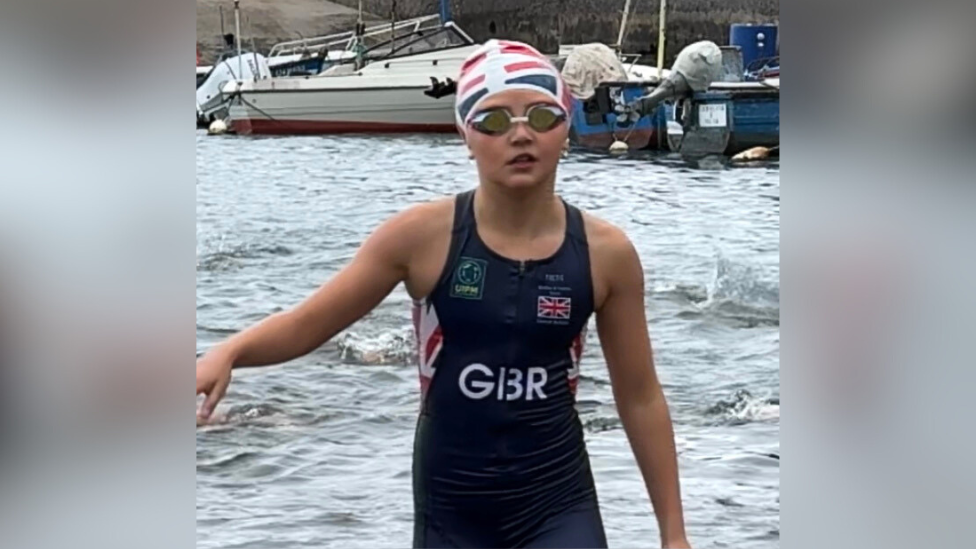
x,y
317,452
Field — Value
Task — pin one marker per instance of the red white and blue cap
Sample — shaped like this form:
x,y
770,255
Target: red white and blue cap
x,y
501,65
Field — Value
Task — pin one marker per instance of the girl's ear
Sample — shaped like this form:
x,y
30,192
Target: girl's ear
x,y
464,139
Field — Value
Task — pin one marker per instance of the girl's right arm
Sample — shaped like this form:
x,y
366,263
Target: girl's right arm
x,y
379,265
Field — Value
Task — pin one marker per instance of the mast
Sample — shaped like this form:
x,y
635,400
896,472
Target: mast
x,y
445,11
623,26
358,40
237,36
660,40
392,27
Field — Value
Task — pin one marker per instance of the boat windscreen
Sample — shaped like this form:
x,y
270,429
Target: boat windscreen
x,y
421,41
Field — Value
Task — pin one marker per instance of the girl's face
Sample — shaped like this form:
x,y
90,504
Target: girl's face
x,y
518,156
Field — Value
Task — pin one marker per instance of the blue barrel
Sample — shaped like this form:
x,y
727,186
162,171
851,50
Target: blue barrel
x,y
756,41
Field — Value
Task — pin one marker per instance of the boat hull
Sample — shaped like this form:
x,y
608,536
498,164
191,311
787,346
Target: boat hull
x,y
725,121
595,126
324,127
400,110
387,96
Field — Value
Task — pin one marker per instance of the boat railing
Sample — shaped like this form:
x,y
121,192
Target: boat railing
x,y
762,67
346,40
439,38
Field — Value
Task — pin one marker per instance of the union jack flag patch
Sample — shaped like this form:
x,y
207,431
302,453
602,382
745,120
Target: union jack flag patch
x,y
554,307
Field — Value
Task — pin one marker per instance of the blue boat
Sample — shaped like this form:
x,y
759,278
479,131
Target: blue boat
x,y
724,120
759,45
738,112
596,125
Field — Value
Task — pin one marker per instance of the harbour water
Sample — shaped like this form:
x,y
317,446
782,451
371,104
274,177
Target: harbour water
x,y
317,452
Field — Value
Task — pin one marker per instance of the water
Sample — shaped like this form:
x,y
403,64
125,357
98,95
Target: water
x,y
317,453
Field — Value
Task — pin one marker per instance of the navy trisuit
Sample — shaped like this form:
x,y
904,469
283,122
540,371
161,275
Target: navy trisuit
x,y
499,455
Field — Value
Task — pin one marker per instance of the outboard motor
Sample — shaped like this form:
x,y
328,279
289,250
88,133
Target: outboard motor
x,y
211,103
694,70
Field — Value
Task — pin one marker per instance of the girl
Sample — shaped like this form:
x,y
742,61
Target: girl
x,y
505,278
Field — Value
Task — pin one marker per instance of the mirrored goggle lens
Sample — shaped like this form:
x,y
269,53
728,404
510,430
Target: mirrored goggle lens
x,y
494,122
544,117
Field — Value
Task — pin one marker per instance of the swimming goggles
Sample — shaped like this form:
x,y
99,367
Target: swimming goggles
x,y
541,118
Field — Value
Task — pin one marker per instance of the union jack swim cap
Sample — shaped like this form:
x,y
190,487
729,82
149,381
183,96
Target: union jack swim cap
x,y
501,65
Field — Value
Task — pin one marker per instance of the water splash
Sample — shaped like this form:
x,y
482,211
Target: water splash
x,y
220,255
686,293
745,283
385,348
743,293
244,413
740,294
601,424
743,407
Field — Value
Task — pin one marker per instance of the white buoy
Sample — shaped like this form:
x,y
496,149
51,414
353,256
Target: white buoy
x,y
217,127
618,147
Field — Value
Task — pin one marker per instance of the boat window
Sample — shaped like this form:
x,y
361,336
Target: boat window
x,y
420,42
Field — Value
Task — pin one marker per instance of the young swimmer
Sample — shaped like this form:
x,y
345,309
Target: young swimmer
x,y
505,278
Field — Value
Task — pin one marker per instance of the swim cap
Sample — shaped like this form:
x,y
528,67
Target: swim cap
x,y
501,65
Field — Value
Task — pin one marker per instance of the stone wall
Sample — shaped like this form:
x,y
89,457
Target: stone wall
x,y
268,22
547,23
542,23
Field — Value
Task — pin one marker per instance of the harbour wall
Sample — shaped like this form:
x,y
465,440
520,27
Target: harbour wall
x,y
543,23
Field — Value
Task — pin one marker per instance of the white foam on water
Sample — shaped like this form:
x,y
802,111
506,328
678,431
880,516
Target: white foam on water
x,y
393,347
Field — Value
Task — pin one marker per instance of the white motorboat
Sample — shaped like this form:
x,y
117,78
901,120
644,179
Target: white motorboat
x,y
394,90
